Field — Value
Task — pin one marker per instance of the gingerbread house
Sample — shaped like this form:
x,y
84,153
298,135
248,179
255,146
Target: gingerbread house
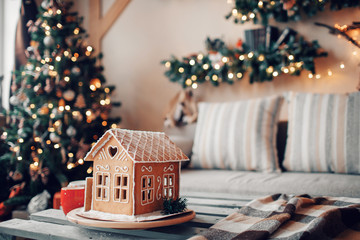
x,y
133,172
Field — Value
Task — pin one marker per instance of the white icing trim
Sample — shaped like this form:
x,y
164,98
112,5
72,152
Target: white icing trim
x,y
143,168
121,187
122,156
146,189
124,169
102,144
117,151
133,189
158,195
102,154
170,168
106,168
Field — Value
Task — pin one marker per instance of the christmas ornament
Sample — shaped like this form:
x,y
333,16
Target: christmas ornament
x,y
14,100
80,101
71,131
76,71
21,133
49,41
61,103
49,85
54,137
45,5
69,95
43,110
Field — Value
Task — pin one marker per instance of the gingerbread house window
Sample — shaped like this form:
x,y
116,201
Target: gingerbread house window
x,y
147,189
168,186
121,188
102,186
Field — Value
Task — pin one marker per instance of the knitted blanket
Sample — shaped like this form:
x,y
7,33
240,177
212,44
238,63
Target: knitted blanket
x,y
282,216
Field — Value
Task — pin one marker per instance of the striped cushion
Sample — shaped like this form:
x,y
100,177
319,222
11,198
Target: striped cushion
x,y
238,135
323,133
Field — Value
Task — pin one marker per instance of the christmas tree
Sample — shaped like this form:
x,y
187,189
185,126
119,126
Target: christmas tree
x,y
59,105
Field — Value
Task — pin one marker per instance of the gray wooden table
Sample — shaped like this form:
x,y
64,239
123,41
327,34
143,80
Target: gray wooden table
x,y
52,223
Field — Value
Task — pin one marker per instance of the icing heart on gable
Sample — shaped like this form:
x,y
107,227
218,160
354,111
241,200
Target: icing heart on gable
x,y
113,151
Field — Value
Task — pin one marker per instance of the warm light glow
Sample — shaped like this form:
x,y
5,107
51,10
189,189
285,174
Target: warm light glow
x,y
193,77
70,155
32,105
239,75
37,139
292,69
310,75
51,67
52,115
61,108
244,17
58,11
67,108
56,145
270,69
217,66
207,78
252,15
225,59
234,12
250,54
260,4
21,140
58,58
317,76
107,101
76,31
241,57
188,82
200,56
19,158
261,57
92,87
73,59
192,62
275,74
66,53
88,113
47,33
104,123
181,69
230,75
194,85
167,64
291,57
107,90
70,166
34,116
59,25
215,77
113,125
47,59
102,102
205,66
67,79
81,161
38,69
342,65
89,170
286,70
330,73
40,151
89,48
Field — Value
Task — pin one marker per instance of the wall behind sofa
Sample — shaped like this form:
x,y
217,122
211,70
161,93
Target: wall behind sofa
x,y
150,31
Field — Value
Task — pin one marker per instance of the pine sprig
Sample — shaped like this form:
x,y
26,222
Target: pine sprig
x,y
174,206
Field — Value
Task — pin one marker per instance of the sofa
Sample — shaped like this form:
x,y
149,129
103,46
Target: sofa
x,y
222,180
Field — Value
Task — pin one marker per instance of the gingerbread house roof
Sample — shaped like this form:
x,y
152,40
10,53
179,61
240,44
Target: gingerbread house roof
x,y
144,146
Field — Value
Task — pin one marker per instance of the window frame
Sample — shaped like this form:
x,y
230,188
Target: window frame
x,y
147,189
167,186
121,188
103,186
